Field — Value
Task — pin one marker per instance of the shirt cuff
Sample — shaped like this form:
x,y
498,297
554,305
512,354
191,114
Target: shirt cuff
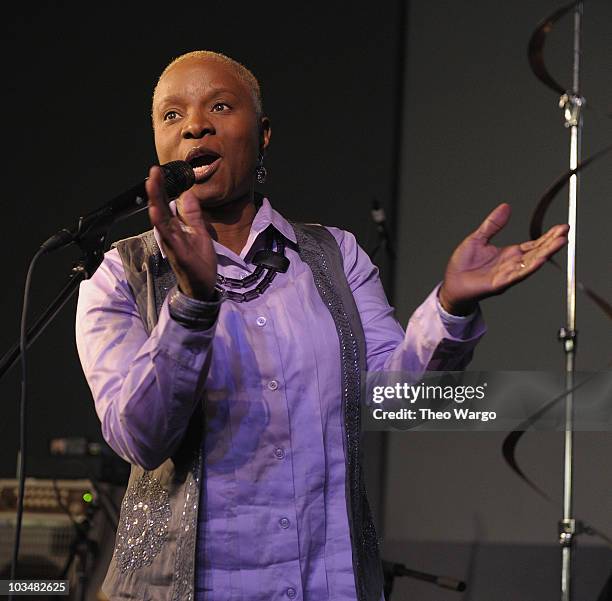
x,y
456,325
449,317
193,313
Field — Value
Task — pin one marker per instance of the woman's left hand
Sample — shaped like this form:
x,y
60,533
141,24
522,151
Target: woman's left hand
x,y
478,269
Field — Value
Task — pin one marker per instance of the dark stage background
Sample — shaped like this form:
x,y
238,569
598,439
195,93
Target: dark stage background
x,y
476,129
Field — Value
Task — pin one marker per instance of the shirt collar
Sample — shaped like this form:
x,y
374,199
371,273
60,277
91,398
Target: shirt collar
x,y
264,217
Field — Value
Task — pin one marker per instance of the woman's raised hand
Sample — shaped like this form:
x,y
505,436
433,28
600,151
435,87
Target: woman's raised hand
x,y
478,269
185,240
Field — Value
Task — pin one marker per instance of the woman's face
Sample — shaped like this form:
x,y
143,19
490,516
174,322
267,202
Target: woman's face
x,y
204,114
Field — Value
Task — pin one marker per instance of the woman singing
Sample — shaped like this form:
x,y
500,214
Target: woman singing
x,y
224,350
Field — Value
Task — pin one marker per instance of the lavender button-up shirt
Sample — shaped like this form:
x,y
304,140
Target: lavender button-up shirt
x,y
273,521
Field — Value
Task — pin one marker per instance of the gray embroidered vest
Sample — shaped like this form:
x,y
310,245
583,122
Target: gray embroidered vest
x,y
155,545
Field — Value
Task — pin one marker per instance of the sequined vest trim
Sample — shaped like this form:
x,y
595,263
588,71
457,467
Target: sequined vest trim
x,y
155,544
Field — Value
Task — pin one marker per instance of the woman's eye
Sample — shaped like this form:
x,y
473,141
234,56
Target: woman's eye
x,y
170,115
219,107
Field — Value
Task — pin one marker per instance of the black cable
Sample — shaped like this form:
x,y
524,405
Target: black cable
x,y
22,416
62,506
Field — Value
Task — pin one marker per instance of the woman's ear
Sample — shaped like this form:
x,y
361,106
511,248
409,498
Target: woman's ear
x,y
265,133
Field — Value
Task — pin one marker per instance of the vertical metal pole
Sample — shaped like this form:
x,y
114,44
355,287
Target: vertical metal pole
x,y
572,104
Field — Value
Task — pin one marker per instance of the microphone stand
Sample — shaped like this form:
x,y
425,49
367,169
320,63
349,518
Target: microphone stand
x,y
92,244
90,234
571,103
83,553
391,570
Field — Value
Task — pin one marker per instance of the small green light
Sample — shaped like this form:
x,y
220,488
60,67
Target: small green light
x,y
87,497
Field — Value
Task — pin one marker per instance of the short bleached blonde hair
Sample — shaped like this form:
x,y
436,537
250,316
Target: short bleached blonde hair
x,y
238,68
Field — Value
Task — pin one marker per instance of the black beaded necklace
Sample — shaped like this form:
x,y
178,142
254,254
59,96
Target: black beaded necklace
x,y
267,260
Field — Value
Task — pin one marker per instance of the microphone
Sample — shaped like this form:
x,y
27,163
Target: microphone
x,y
392,569
378,215
178,177
380,219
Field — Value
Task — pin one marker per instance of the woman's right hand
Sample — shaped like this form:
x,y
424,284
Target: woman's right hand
x,y
187,243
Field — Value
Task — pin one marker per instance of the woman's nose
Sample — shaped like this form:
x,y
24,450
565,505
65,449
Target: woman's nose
x,y
197,125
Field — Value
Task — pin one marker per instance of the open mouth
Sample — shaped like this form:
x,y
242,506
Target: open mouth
x,y
204,163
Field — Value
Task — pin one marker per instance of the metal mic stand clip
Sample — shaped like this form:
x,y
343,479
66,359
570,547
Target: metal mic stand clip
x,y
392,570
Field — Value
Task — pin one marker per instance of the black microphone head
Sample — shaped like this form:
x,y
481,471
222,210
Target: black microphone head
x,y
178,177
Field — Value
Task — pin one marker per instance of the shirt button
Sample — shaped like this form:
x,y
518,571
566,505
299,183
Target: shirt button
x,y
272,384
291,593
261,321
279,453
284,523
